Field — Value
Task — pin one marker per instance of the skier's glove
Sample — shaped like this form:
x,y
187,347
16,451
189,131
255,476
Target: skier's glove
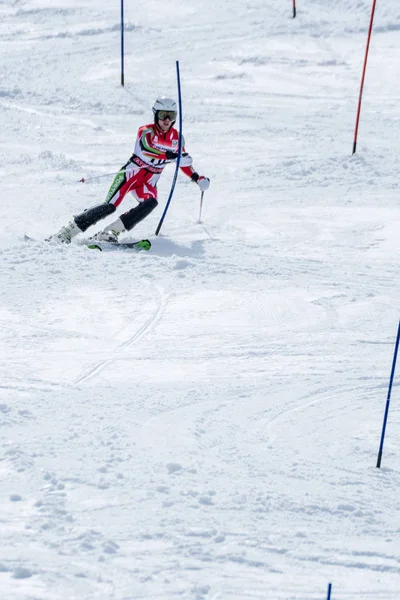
x,y
169,155
202,182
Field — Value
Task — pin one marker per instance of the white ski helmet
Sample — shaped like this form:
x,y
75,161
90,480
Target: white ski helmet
x,y
164,103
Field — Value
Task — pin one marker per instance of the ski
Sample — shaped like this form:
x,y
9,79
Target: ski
x,y
99,245
139,245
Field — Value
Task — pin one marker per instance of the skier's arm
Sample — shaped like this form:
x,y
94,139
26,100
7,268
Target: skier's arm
x,y
186,167
202,182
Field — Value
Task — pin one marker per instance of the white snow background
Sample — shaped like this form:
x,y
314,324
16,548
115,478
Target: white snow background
x,y
201,421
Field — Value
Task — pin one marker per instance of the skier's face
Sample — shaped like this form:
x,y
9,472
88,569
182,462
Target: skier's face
x,y
164,124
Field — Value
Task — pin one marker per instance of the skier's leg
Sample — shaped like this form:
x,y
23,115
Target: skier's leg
x,y
93,215
145,192
137,214
127,221
81,222
121,185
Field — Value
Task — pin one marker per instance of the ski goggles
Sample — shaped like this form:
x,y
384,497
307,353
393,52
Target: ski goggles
x,y
166,114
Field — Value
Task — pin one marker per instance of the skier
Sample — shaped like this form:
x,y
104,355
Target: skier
x,y
156,146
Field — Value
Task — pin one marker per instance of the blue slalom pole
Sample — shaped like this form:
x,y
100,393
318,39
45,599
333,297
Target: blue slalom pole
x,y
329,591
178,160
378,464
122,44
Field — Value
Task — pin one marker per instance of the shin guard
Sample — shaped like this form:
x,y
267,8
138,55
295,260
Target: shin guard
x,y
137,214
92,215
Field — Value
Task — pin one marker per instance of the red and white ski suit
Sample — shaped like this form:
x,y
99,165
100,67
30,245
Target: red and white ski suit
x,y
141,174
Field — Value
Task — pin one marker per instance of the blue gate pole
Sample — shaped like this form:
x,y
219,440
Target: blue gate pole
x,y
378,464
178,160
122,44
329,591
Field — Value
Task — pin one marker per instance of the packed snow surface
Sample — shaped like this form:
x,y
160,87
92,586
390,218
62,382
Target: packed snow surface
x,y
201,421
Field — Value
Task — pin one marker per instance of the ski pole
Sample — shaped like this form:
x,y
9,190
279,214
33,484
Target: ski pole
x,y
201,205
86,179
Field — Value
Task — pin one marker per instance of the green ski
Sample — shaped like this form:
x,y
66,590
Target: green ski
x,y
139,245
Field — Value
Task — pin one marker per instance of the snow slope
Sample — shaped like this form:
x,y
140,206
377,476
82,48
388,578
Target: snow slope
x,y
201,421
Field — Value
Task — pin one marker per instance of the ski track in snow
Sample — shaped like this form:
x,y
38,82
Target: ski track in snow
x,y
136,337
